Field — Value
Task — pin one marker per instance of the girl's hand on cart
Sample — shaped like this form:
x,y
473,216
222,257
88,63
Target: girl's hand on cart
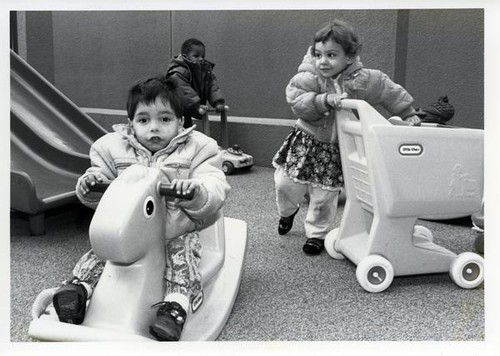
x,y
413,120
335,100
89,181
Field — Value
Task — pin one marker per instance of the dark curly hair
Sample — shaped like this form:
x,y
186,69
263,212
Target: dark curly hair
x,y
340,32
186,46
148,90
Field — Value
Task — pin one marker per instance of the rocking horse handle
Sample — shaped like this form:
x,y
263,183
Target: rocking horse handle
x,y
166,190
163,189
99,187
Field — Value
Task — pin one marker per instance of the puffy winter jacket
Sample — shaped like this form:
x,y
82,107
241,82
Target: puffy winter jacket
x,y
197,82
190,155
307,90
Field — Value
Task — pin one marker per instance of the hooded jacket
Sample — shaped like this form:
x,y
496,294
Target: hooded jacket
x,y
190,155
307,90
197,82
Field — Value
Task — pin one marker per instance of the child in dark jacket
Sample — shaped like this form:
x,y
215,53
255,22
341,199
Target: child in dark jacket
x,y
194,75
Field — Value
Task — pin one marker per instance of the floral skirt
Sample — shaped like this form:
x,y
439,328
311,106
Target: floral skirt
x,y
306,160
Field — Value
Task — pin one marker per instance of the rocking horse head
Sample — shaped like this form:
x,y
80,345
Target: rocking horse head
x,y
129,217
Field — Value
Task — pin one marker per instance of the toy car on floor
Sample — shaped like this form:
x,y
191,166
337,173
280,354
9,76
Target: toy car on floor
x,y
132,280
233,158
393,175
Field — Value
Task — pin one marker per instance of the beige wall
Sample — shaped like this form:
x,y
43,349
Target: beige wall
x,y
99,55
446,57
93,57
257,52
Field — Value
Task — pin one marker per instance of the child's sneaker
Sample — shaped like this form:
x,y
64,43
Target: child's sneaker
x,y
313,246
70,302
286,223
169,321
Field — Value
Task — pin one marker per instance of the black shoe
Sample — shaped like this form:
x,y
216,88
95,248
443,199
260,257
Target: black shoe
x,y
70,302
286,224
169,321
313,246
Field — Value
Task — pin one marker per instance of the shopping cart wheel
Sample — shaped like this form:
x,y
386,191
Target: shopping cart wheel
x,y
467,270
374,273
423,232
330,240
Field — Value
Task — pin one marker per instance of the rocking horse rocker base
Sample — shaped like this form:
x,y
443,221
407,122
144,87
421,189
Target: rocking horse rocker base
x,y
132,280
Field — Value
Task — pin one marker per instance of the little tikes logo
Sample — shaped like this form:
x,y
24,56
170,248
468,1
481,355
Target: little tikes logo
x,y
410,149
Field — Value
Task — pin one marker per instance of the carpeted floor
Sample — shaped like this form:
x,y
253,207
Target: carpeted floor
x,y
284,294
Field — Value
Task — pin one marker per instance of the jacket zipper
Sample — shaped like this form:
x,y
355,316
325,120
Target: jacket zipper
x,y
177,167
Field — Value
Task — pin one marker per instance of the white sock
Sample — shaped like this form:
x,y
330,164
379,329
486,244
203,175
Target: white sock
x,y
88,288
178,298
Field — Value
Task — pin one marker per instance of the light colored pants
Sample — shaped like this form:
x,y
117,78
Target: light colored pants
x,y
182,275
322,204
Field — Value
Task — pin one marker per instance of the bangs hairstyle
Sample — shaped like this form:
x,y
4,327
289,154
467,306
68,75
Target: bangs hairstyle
x,y
340,32
186,46
148,90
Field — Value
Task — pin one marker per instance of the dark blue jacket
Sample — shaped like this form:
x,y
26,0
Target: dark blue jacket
x,y
197,82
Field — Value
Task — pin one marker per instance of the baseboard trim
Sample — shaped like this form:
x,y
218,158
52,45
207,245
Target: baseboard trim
x,y
233,119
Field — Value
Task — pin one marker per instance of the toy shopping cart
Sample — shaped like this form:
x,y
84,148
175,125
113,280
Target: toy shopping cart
x,y
393,175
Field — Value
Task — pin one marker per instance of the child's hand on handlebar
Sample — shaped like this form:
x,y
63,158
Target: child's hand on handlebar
x,y
335,100
202,109
186,186
90,180
220,108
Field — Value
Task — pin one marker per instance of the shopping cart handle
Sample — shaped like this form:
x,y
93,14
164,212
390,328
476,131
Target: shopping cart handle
x,y
365,112
354,104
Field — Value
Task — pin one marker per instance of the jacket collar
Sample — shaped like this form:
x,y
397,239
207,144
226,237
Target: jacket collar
x,y
353,68
127,132
184,62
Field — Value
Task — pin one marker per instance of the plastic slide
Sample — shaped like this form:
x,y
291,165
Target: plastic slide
x,y
50,141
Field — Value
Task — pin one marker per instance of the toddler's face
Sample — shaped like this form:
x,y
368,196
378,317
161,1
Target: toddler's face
x,y
155,125
330,58
196,54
